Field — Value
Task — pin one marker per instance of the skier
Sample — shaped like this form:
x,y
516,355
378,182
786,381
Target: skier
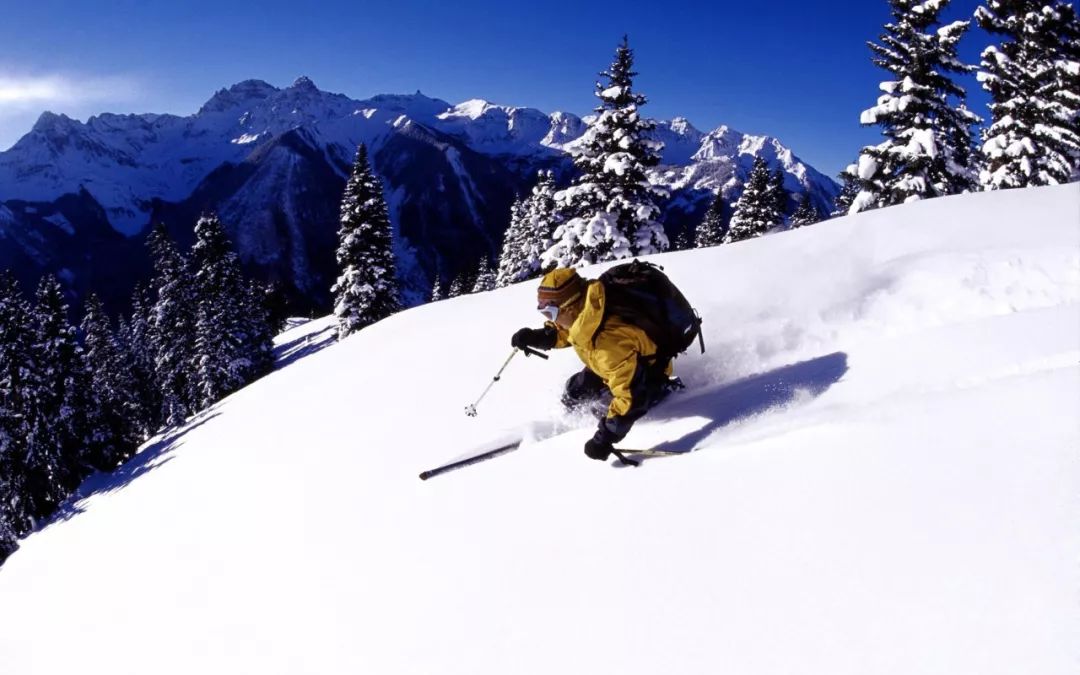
x,y
622,367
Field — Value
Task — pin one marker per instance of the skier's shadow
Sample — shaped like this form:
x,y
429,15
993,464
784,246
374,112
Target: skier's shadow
x,y
751,396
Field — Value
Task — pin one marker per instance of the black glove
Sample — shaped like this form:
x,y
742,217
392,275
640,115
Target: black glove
x,y
595,449
611,430
540,338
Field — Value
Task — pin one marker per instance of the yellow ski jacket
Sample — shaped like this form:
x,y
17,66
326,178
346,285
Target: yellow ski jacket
x,y
616,353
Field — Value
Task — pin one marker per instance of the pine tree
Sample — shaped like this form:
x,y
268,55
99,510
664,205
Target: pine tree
x,y
8,538
10,515
16,412
613,206
805,214
512,257
683,240
1034,79
436,289
779,193
114,384
276,304
458,285
134,336
256,321
172,330
485,277
57,457
850,188
230,322
366,290
219,363
711,230
756,209
532,227
928,147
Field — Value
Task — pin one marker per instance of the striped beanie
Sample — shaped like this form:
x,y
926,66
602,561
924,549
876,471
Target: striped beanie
x,y
560,287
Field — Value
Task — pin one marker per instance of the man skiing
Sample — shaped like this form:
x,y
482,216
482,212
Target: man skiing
x,y
622,366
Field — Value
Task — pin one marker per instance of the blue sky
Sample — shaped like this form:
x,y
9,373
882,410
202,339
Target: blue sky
x,y
795,69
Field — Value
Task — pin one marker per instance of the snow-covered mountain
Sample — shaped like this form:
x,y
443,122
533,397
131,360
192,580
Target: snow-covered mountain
x,y
273,161
881,477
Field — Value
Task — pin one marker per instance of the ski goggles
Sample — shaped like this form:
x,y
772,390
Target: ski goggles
x,y
550,312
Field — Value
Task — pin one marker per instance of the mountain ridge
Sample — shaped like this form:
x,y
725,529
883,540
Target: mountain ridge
x,y
481,155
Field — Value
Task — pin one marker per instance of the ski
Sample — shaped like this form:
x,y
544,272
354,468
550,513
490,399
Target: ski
x,y
628,456
469,461
651,452
633,457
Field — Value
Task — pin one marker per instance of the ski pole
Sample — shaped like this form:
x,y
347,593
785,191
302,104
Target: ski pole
x,y
470,410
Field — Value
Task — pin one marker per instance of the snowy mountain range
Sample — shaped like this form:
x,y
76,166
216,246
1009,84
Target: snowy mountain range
x,y
879,476
76,198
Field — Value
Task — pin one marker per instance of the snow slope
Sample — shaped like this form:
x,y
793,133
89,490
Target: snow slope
x,y
884,480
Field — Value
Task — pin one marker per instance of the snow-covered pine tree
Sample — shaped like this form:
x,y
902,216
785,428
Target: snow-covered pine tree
x,y
850,187
512,257
711,230
223,305
172,329
256,319
366,290
805,213
543,215
779,193
485,277
57,457
532,228
684,240
458,285
436,289
135,339
276,304
17,368
8,538
14,348
114,384
612,206
1034,80
927,151
756,209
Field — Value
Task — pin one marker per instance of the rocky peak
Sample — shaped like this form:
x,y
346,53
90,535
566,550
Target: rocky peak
x,y
565,128
719,143
418,106
683,127
238,94
53,123
303,83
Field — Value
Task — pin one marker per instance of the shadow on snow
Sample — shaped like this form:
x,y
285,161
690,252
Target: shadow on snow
x,y
155,455
290,352
159,452
751,396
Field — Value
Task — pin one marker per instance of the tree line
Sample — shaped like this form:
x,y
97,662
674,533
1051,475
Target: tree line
x,y
75,400
930,147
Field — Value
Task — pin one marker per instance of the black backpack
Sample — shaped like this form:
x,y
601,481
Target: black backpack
x,y
640,293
